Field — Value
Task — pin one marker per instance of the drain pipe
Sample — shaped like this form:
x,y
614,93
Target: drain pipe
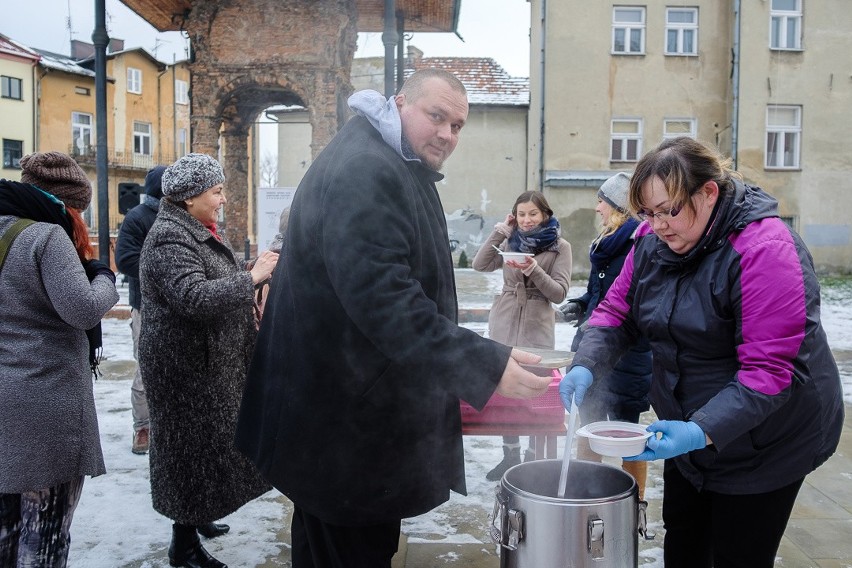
x,y
735,84
390,39
543,19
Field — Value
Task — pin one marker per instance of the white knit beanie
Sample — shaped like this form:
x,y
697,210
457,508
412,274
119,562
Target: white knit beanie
x,y
614,191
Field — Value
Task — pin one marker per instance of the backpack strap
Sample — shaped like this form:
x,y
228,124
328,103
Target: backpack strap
x,y
9,236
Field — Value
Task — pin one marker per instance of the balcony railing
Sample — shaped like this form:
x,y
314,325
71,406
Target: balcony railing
x,y
87,155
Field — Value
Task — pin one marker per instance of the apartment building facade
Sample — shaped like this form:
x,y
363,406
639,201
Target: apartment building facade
x,y
17,105
147,119
147,115
763,81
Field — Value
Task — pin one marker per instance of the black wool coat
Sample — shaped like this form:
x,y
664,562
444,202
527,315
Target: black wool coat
x,y
352,402
194,348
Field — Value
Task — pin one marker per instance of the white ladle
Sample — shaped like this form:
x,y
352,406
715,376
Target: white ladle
x,y
497,249
566,457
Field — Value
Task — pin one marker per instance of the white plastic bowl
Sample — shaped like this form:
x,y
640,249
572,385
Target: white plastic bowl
x,y
614,438
520,257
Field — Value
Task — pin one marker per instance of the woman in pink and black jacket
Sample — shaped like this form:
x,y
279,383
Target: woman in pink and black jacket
x,y
744,383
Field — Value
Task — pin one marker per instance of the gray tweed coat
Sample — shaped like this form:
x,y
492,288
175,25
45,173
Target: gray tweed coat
x,y
195,344
48,423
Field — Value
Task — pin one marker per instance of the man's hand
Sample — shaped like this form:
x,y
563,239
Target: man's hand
x,y
517,382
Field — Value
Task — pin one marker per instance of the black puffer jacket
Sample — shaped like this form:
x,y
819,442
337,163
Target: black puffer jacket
x,y
738,345
128,245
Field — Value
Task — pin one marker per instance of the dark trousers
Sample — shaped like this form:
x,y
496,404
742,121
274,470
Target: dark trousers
x,y
316,544
35,526
706,529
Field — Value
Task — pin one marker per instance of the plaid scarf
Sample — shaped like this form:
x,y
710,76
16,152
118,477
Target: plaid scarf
x,y
543,238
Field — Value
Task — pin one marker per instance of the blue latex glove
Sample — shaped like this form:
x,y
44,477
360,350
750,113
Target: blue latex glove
x,y
574,385
678,438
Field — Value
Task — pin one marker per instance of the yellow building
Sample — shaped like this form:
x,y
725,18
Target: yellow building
x,y
17,105
147,117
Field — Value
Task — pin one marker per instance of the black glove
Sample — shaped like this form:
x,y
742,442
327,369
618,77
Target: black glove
x,y
571,310
93,267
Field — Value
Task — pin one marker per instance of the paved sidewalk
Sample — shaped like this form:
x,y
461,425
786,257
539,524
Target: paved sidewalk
x,y
819,534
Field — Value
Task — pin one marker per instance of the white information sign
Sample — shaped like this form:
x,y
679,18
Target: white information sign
x,y
271,201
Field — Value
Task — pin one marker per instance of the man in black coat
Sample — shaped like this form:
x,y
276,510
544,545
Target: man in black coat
x,y
128,245
351,407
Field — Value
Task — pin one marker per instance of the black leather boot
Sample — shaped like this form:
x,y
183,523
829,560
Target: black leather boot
x,y
511,457
186,551
212,530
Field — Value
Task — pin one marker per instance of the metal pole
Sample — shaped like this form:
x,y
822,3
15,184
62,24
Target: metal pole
x,y
400,50
389,39
735,84
100,39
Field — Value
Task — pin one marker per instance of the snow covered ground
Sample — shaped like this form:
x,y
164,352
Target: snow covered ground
x,y
115,526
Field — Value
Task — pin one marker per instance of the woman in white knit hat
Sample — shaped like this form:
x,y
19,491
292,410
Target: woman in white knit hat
x,y
623,395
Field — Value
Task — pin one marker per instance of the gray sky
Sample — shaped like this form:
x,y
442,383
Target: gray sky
x,y
490,28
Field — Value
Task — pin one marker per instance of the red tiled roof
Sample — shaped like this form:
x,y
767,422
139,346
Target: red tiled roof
x,y
14,49
486,81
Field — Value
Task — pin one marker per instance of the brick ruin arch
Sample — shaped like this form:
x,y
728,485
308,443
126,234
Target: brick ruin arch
x,y
236,75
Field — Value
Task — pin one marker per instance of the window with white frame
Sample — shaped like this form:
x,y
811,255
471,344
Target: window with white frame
x,y
674,127
10,88
181,142
628,30
681,31
783,136
785,24
13,150
142,138
626,140
134,80
81,133
181,92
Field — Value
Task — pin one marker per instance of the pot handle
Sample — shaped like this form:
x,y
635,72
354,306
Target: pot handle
x,y
507,525
642,522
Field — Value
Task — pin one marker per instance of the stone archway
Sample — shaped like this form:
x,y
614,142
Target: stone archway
x,y
249,51
233,80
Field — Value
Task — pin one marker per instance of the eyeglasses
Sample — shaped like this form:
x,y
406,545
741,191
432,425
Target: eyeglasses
x,y
660,215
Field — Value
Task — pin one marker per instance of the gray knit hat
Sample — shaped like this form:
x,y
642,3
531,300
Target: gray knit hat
x,y
614,191
59,175
191,175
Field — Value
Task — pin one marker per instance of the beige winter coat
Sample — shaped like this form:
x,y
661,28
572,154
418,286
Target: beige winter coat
x,y
523,314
